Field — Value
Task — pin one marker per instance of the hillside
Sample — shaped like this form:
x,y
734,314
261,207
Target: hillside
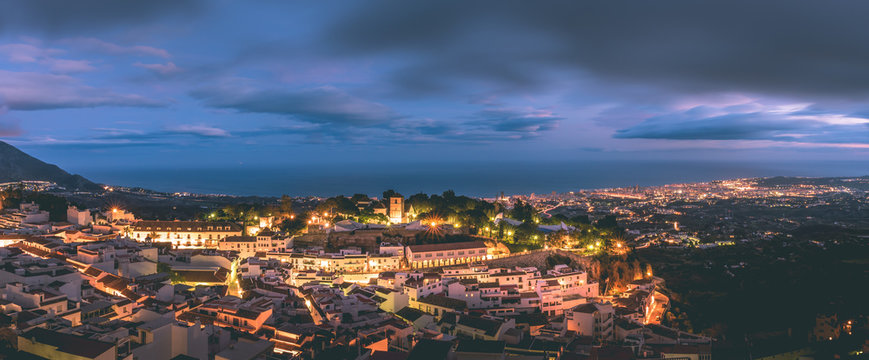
x,y
15,165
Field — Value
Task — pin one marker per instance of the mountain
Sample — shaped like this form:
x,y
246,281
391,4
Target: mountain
x,y
15,165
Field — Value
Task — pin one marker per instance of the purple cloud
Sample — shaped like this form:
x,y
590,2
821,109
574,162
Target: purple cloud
x,y
37,91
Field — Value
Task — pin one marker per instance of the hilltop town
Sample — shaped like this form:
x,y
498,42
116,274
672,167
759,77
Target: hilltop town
x,y
556,276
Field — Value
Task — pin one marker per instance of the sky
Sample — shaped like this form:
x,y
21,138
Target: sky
x,y
186,84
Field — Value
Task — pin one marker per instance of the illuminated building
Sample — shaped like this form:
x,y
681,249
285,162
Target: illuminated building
x,y
185,234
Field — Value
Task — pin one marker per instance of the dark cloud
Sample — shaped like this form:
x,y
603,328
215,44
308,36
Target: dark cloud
x,y
784,127
61,18
522,123
780,47
322,105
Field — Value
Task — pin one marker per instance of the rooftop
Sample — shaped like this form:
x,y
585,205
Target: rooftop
x,y
69,343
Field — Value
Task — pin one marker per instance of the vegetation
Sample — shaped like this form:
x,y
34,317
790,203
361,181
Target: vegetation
x,y
771,289
173,276
615,272
55,205
557,259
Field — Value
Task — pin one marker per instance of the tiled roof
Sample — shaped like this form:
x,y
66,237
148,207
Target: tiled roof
x,y
238,238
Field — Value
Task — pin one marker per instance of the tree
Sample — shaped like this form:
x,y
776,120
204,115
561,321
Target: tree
x,y
648,272
356,198
55,205
390,193
607,222
580,219
420,202
286,205
339,204
523,211
294,226
556,259
559,239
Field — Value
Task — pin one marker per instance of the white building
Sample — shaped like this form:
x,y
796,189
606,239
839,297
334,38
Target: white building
x,y
185,234
593,319
79,217
430,255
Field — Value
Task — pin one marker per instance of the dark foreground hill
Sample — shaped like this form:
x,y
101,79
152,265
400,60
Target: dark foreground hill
x,y
15,165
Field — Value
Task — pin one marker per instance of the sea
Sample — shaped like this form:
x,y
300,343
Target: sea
x,y
478,179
